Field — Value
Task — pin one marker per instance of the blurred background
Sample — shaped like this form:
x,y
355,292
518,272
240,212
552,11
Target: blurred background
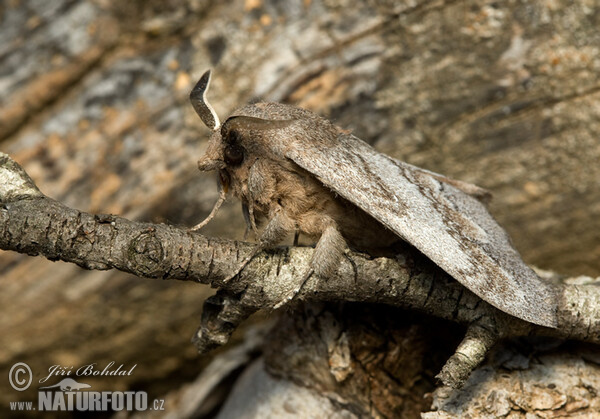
x,y
93,104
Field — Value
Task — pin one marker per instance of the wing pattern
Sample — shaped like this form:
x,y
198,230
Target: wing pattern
x,y
450,227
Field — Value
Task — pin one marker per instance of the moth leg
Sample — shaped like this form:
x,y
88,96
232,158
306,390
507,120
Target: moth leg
x,y
252,219
246,213
296,237
325,260
328,252
276,230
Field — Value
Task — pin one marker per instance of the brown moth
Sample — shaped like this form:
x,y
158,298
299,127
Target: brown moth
x,y
297,172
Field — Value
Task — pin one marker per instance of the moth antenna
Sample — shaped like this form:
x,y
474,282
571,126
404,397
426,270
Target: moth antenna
x,y
222,197
204,110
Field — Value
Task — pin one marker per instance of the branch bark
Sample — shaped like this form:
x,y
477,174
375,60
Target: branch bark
x,y
34,224
95,107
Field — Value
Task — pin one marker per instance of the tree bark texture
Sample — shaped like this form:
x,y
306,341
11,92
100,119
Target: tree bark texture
x,y
93,104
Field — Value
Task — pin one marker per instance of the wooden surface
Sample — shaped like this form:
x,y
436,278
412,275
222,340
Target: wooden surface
x,y
93,104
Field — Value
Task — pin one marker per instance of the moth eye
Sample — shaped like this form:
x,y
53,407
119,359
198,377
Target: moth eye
x,y
233,154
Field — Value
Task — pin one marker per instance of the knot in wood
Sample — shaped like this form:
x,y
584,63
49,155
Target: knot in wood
x,y
146,254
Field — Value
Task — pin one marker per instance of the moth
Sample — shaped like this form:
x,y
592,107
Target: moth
x,y
297,172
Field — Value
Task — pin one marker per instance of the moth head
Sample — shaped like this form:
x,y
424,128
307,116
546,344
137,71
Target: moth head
x,y
226,148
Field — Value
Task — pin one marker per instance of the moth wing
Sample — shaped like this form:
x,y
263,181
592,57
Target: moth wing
x,y
475,191
451,227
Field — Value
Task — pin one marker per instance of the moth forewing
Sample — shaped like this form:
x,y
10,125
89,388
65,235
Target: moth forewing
x,y
449,226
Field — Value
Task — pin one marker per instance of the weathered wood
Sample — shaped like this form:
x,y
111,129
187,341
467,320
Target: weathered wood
x,y
93,103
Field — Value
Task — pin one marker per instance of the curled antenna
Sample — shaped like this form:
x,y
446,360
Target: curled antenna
x,y
201,105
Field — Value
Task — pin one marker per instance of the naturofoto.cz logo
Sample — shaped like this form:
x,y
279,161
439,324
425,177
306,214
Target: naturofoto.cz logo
x,y
67,395
72,395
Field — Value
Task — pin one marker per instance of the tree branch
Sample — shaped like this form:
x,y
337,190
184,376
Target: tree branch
x,y
34,224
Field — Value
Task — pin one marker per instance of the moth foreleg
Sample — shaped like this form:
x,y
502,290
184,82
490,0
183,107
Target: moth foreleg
x,y
275,231
252,219
246,213
325,260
